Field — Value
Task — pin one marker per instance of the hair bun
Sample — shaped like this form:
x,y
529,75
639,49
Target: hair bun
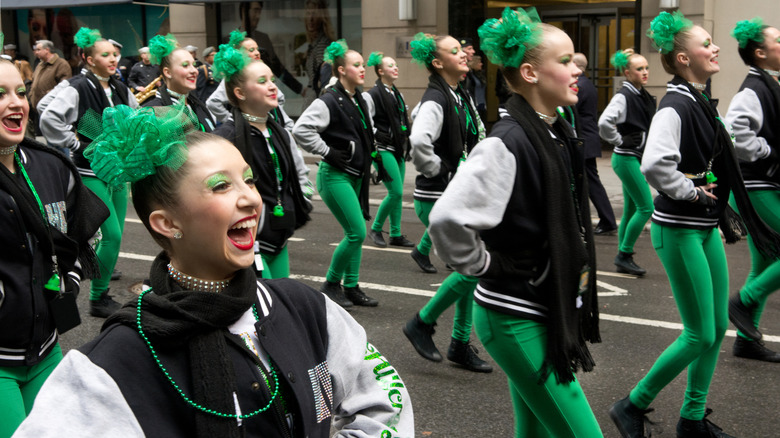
x,y
665,27
506,40
229,61
749,30
423,49
161,46
375,59
236,38
619,59
86,37
335,50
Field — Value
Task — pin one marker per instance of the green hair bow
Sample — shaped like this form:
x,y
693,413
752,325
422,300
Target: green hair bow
x,y
505,41
423,49
665,27
619,60
749,30
86,37
161,46
236,38
375,59
229,61
335,50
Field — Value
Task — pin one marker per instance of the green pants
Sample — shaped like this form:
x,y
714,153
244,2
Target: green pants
x,y
112,229
340,192
423,210
519,347
391,206
695,262
764,277
276,266
18,388
637,201
456,289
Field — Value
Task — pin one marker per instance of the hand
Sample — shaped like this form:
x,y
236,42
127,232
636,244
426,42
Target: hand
x,y
504,266
632,141
704,196
337,158
140,89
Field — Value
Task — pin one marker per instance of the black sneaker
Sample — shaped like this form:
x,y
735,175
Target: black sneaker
x,y
625,264
464,354
423,261
748,349
703,428
376,237
104,306
333,291
742,318
420,335
401,241
629,419
116,275
359,298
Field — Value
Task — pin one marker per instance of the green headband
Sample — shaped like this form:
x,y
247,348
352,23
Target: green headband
x,y
423,49
2,39
161,46
86,37
749,30
130,144
236,38
375,59
229,61
619,60
665,27
335,50
505,41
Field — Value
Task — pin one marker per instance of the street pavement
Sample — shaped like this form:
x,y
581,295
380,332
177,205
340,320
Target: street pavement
x,y
639,320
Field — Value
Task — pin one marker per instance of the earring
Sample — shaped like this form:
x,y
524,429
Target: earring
x,y
534,80
242,98
177,235
92,65
688,64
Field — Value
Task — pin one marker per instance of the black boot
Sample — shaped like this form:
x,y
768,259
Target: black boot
x,y
703,428
359,298
376,237
629,419
420,335
401,241
465,354
742,317
625,264
116,275
104,306
333,291
423,261
754,350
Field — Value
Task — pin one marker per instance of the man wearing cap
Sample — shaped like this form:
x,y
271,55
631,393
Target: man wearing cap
x,y
123,65
50,71
205,83
20,62
143,72
194,52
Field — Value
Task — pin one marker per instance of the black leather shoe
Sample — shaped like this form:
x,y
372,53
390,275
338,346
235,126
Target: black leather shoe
x,y
742,318
754,350
625,264
464,354
376,237
359,298
401,241
629,419
116,275
420,335
423,261
703,428
333,291
104,306
604,231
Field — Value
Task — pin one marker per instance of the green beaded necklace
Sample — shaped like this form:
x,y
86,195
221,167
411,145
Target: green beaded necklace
x,y
179,390
278,208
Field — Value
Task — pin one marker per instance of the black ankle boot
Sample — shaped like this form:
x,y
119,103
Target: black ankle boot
x,y
625,264
629,419
377,238
742,317
703,428
104,306
359,298
333,290
754,350
420,335
423,261
463,353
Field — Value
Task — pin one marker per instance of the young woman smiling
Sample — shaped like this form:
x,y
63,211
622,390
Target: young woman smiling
x,y
338,126
272,153
85,94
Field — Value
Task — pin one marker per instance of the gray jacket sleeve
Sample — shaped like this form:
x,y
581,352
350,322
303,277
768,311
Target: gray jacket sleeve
x,y
426,130
301,169
217,103
371,108
746,119
464,209
56,122
369,396
662,156
49,97
80,399
614,114
310,124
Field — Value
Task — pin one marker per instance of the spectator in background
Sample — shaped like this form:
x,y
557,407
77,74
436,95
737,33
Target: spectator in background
x,y
206,84
143,72
20,62
501,89
123,65
51,70
194,52
587,128
319,34
480,85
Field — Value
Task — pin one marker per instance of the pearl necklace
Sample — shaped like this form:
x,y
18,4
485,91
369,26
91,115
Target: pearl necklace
x,y
547,119
774,73
698,86
100,78
178,96
8,151
254,119
191,283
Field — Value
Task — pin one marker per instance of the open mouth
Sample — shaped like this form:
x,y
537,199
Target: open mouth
x,y
575,88
242,234
13,123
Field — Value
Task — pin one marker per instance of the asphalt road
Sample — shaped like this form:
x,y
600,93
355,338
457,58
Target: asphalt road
x,y
639,320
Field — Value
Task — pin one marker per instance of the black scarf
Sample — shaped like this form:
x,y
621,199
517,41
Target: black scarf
x,y
568,327
89,215
766,240
390,104
457,132
196,322
197,107
118,89
243,142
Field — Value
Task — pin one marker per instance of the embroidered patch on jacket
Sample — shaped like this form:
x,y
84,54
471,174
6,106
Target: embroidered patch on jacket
x,y
321,383
389,381
56,212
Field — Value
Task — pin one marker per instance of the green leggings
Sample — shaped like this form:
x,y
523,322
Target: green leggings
x,y
764,277
638,202
519,347
456,289
423,210
276,266
18,388
112,229
391,206
695,262
340,192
